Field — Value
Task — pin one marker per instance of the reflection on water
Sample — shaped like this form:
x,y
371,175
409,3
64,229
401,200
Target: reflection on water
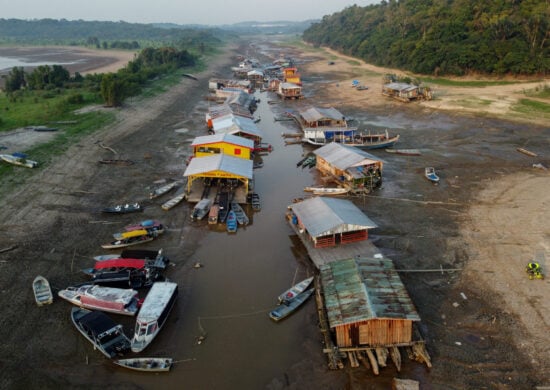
x,y
8,63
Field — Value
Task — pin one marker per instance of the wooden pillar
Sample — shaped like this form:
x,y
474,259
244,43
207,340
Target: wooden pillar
x,y
396,357
373,362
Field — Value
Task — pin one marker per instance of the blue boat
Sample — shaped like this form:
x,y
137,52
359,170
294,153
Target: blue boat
x,y
430,174
288,307
231,222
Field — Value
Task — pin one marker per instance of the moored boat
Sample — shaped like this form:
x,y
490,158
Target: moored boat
x,y
151,225
155,193
231,222
298,288
327,190
153,313
405,152
213,214
254,199
241,216
42,291
286,308
147,364
19,159
122,209
174,201
201,209
138,237
99,329
349,136
108,299
430,174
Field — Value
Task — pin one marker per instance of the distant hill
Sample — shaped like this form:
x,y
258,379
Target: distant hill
x,y
453,37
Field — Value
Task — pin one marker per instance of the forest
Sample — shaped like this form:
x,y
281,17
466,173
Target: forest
x,y
443,37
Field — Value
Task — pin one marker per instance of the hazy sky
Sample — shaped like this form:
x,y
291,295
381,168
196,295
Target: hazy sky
x,y
211,12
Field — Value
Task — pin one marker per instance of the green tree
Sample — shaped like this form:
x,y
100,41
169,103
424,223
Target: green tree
x,y
15,80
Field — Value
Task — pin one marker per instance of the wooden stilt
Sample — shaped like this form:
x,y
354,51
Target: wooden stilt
x,y
353,359
421,355
382,355
373,362
396,357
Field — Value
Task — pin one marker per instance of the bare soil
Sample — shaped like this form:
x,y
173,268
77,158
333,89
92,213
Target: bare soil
x,y
485,326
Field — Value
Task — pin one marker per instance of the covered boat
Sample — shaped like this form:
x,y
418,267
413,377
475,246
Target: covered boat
x,y
108,299
151,225
153,313
122,209
99,329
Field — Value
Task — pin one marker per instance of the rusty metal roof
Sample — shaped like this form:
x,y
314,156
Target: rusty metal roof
x,y
343,156
362,289
315,113
322,216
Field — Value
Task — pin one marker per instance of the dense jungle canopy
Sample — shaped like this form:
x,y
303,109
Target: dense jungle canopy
x,y
453,37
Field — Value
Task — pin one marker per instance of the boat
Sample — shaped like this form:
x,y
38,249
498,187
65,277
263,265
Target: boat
x,y
138,237
293,292
286,308
223,202
213,214
151,225
153,313
99,329
430,174
254,200
114,265
127,278
327,190
174,201
231,222
162,190
405,152
122,209
106,257
152,258
116,161
108,299
241,216
42,291
19,159
147,364
349,136
41,128
527,152
308,162
201,209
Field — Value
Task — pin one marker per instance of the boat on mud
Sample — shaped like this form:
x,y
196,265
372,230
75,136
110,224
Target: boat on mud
x,y
231,222
153,313
42,291
241,216
155,193
327,190
405,152
430,174
201,209
146,364
123,209
213,214
174,201
295,290
151,225
99,329
107,299
19,159
350,137
135,237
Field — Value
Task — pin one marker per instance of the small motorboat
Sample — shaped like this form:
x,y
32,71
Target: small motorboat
x,y
19,159
131,238
288,307
213,214
293,292
155,193
231,222
151,225
201,209
242,218
42,291
148,364
430,174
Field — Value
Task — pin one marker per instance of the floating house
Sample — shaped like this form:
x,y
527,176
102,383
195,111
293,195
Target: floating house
x,y
328,222
256,78
215,84
321,118
229,144
349,167
291,75
239,126
201,172
223,110
406,92
287,90
369,310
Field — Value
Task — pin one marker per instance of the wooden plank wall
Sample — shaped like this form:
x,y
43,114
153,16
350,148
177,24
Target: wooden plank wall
x,y
377,332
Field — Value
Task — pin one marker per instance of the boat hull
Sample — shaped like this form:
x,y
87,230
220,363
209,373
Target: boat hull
x,y
146,364
42,291
288,307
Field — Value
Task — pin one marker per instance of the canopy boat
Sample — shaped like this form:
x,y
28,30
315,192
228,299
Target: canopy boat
x,y
137,237
292,292
241,216
201,209
152,258
231,222
254,200
114,265
288,307
19,159
99,329
108,299
430,174
126,278
42,291
213,214
106,257
349,136
162,190
148,364
153,313
122,209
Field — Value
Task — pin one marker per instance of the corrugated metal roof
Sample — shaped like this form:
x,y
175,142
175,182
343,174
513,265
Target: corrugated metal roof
x,y
362,289
322,216
400,86
289,86
343,156
223,137
220,162
316,113
232,124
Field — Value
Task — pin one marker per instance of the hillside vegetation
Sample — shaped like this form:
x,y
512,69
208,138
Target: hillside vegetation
x,y
443,37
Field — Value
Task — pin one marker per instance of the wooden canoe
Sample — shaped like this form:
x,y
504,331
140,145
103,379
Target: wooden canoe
x,y
147,364
287,308
174,201
42,291
293,292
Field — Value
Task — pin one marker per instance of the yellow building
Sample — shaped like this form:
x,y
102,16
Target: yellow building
x,y
223,143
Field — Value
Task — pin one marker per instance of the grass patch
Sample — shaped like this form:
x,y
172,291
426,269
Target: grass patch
x,y
353,62
542,91
464,83
532,107
473,102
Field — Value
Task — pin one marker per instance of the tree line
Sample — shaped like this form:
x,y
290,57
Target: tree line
x,y
443,37
113,87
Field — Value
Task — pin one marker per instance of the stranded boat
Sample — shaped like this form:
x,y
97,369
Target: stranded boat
x,y
100,330
148,364
430,174
153,313
288,307
19,159
131,238
293,292
162,190
108,299
349,136
150,225
42,291
122,209
201,209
